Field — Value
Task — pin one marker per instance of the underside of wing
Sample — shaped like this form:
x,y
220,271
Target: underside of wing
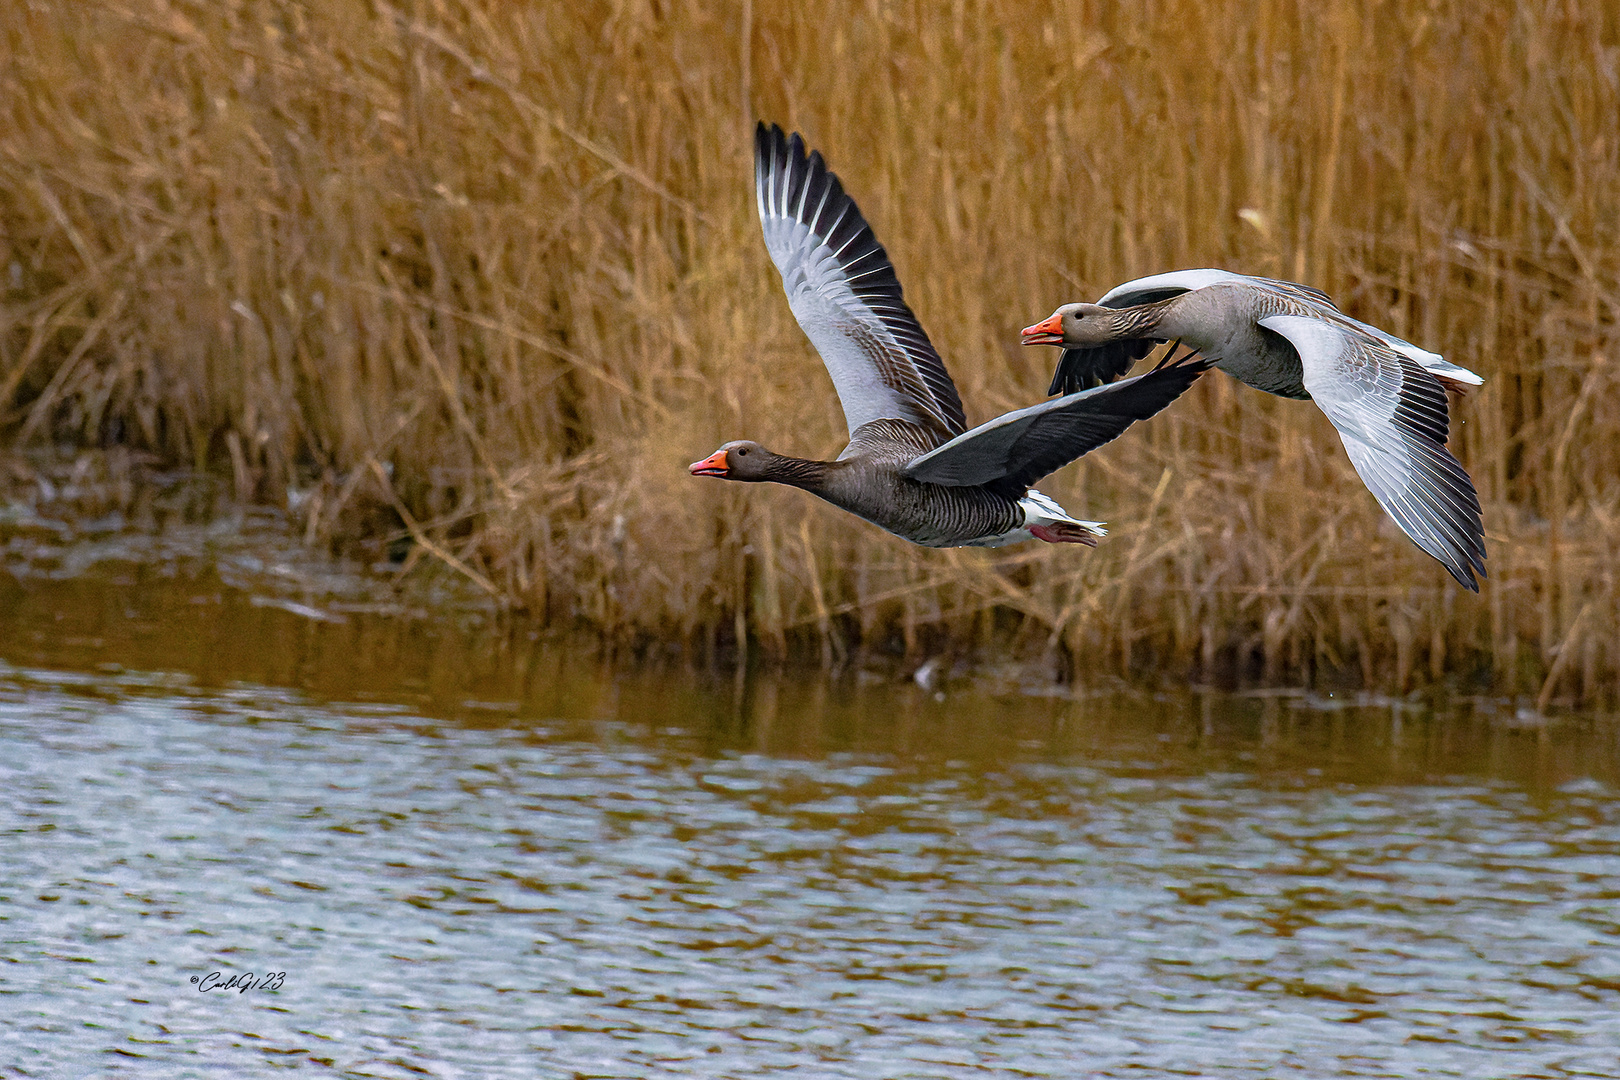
x,y
844,292
1392,417
1015,450
1082,369
1432,362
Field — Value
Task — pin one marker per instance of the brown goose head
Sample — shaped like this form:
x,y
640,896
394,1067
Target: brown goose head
x,y
1074,325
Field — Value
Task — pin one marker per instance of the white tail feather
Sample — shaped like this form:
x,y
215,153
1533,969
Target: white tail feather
x,y
1041,510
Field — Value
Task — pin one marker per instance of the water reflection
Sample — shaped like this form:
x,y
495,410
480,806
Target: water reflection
x,y
483,862
274,620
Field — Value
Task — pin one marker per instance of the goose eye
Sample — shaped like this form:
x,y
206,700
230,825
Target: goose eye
x,y
742,453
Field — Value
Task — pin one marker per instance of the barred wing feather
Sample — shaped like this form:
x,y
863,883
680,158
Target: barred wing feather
x,y
844,293
1392,417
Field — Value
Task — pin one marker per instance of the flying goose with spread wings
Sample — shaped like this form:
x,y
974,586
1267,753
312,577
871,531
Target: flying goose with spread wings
x,y
1386,396
912,465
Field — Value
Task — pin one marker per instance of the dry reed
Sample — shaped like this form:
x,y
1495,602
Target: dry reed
x,y
496,265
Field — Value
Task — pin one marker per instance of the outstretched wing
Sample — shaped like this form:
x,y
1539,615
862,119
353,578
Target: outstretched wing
x,y
1016,449
1078,369
1391,415
1432,362
1082,369
1160,286
843,290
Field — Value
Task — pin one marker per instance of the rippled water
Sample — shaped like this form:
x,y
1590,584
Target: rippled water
x,y
471,862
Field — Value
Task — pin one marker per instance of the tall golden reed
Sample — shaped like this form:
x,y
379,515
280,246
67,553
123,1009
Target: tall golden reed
x,y
495,266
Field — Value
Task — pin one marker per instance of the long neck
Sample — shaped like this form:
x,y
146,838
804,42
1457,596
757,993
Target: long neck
x,y
1141,320
797,472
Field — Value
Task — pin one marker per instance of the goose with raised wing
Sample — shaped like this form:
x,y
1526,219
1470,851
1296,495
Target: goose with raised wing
x,y
912,466
1386,396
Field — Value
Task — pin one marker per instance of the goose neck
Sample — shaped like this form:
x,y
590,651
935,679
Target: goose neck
x,y
805,473
1143,320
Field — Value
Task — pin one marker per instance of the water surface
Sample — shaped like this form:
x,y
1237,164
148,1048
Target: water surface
x,y
468,860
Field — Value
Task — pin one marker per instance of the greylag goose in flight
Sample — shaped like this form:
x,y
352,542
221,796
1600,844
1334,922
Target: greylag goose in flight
x,y
912,466
1386,397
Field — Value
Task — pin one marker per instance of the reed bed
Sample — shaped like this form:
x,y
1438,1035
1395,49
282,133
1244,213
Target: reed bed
x,y
489,274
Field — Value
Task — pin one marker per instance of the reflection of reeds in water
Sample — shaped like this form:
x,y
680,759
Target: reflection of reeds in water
x,y
496,266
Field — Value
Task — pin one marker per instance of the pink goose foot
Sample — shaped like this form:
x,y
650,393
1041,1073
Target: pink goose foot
x,y
1059,532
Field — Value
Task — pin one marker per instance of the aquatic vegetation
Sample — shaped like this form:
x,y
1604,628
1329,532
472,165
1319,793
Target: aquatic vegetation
x,y
479,274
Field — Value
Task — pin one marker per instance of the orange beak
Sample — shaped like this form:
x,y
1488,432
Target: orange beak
x,y
713,465
1049,332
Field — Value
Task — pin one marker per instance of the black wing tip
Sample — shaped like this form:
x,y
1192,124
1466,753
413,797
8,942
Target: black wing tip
x,y
773,143
803,188
1463,556
770,143
1187,370
796,183
1077,370
1074,425
1464,571
779,164
1464,547
1145,396
1453,535
778,140
771,137
1086,369
1170,372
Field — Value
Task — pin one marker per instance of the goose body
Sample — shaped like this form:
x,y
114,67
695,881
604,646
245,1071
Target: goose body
x,y
912,465
1385,396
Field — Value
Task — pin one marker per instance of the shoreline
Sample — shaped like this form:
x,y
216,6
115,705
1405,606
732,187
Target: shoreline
x,y
97,519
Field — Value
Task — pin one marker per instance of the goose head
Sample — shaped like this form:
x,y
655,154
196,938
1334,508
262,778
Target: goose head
x,y
1074,325
739,460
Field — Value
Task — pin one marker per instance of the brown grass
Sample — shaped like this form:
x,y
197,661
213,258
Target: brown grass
x,y
497,265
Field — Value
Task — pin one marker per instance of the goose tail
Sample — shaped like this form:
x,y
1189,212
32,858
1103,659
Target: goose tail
x,y
1048,521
